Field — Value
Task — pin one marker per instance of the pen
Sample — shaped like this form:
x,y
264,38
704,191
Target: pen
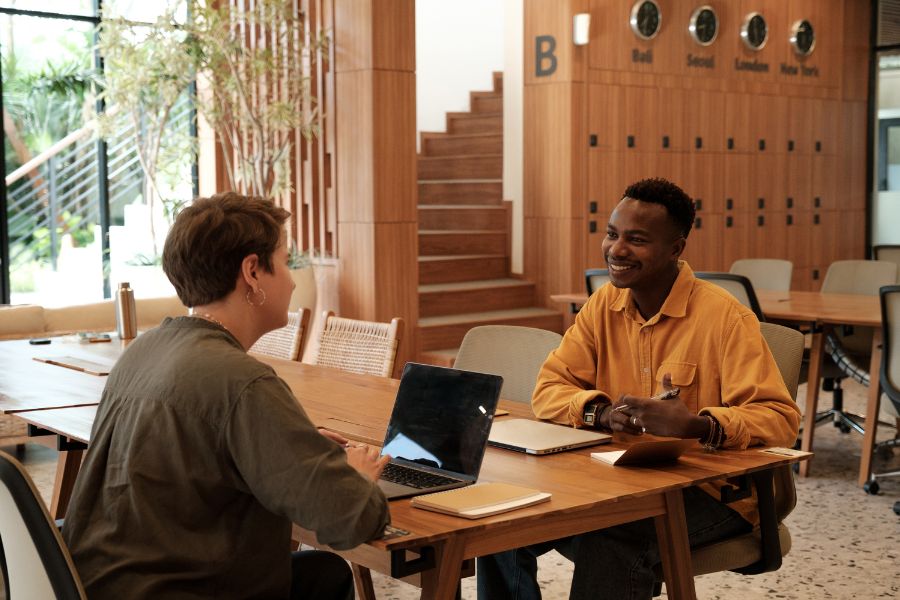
x,y
666,395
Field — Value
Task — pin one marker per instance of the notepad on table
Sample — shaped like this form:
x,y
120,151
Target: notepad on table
x,y
76,363
480,500
645,452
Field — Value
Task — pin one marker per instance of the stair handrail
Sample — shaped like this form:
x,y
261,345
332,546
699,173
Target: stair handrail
x,y
49,153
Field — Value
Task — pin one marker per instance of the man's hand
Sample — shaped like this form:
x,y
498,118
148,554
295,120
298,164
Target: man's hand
x,y
669,417
366,460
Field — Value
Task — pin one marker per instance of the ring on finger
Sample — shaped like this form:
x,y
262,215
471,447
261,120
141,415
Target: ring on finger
x,y
634,421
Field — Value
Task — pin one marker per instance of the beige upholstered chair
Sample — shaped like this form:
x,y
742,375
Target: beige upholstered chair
x,y
765,273
286,342
849,351
889,253
359,346
514,353
37,563
762,549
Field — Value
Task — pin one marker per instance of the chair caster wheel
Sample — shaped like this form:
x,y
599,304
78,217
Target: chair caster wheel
x,y
844,428
885,452
871,487
897,507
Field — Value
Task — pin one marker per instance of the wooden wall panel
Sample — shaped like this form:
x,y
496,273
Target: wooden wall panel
x,y
809,113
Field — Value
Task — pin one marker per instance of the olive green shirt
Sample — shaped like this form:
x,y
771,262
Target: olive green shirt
x,y
200,459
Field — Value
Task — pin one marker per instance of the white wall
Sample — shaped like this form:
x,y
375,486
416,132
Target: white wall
x,y
459,44
886,205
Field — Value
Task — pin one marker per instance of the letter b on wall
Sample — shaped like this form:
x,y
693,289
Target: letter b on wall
x,y
544,59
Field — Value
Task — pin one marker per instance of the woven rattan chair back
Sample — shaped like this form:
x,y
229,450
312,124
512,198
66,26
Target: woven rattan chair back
x,y
288,341
363,347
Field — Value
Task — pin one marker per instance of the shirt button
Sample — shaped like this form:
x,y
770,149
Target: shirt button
x,y
646,369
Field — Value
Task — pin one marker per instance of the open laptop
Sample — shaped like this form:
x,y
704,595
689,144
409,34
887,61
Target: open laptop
x,y
438,430
539,437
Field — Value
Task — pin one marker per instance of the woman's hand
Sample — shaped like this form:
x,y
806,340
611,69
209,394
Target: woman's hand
x,y
333,436
366,460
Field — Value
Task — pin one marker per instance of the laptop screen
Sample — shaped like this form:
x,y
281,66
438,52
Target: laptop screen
x,y
442,418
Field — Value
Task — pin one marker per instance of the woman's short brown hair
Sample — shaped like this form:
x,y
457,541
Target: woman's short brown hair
x,y
210,238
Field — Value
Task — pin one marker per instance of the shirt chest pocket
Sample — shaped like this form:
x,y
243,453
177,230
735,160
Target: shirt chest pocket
x,y
684,377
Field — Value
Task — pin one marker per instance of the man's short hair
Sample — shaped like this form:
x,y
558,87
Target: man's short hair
x,y
661,191
210,238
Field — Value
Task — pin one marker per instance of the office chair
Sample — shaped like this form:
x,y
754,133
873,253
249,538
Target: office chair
x,y
765,273
848,349
890,370
363,347
514,353
889,253
286,342
34,558
595,279
738,286
761,550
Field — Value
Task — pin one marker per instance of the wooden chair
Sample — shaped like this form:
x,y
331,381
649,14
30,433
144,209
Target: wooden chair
x,y
34,558
761,550
288,341
359,346
514,353
765,273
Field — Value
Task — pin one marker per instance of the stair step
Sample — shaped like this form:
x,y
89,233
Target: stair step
x,y
473,217
474,123
481,102
485,166
444,357
448,331
445,269
461,144
460,192
457,241
474,296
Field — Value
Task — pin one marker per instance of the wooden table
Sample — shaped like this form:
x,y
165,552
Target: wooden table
x,y
821,312
587,495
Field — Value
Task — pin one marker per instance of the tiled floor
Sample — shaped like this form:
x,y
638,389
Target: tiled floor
x,y
846,544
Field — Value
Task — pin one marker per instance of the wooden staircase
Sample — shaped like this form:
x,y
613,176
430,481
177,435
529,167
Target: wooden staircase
x,y
464,232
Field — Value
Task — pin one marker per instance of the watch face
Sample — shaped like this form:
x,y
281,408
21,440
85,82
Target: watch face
x,y
645,19
803,38
754,31
704,26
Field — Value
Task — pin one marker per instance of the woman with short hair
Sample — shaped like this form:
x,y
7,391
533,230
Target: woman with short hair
x,y
200,456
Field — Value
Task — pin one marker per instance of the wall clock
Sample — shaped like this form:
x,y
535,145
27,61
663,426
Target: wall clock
x,y
803,38
646,19
704,25
754,31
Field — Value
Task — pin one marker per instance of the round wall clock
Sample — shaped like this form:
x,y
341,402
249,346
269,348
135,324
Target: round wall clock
x,y
646,19
803,38
704,25
754,31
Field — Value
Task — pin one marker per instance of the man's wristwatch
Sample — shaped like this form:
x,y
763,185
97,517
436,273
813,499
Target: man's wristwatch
x,y
591,414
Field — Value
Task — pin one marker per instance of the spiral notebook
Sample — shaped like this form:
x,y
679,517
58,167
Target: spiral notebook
x,y
480,500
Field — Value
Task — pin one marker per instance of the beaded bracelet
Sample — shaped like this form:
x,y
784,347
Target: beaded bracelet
x,y
716,436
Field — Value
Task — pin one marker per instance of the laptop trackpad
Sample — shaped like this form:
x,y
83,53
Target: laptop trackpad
x,y
395,490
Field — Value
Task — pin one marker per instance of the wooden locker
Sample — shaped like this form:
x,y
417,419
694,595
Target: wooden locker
x,y
827,183
768,237
640,119
798,231
798,183
671,166
704,181
702,250
824,245
800,115
737,132
704,119
671,133
736,231
736,191
768,174
605,109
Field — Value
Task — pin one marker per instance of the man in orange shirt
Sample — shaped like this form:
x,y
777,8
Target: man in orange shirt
x,y
655,328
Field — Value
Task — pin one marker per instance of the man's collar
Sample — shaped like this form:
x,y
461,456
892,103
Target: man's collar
x,y
676,302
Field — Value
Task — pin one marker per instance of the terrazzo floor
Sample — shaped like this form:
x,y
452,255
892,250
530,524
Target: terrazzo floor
x,y
846,544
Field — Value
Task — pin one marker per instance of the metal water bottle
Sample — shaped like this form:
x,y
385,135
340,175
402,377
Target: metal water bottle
x,y
126,317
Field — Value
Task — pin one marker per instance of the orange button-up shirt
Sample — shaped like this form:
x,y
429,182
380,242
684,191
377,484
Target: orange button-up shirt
x,y
708,341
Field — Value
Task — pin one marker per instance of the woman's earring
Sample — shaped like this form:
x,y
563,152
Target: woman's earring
x,y
250,293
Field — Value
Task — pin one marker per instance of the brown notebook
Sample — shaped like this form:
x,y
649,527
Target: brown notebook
x,y
480,500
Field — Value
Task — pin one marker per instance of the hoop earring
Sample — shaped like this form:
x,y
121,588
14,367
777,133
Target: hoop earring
x,y
259,291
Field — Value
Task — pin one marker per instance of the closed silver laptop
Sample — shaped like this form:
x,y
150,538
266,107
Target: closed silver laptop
x,y
539,437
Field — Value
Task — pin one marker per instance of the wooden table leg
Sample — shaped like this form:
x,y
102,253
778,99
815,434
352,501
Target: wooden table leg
x,y
362,578
872,408
441,582
814,382
67,467
675,548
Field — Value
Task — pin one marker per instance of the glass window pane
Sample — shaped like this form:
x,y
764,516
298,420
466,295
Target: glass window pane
x,y
51,161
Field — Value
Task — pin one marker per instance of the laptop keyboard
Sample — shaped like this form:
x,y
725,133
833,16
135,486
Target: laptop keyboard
x,y
414,477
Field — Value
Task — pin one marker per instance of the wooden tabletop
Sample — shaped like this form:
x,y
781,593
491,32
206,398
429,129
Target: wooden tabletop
x,y
26,384
797,306
73,423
